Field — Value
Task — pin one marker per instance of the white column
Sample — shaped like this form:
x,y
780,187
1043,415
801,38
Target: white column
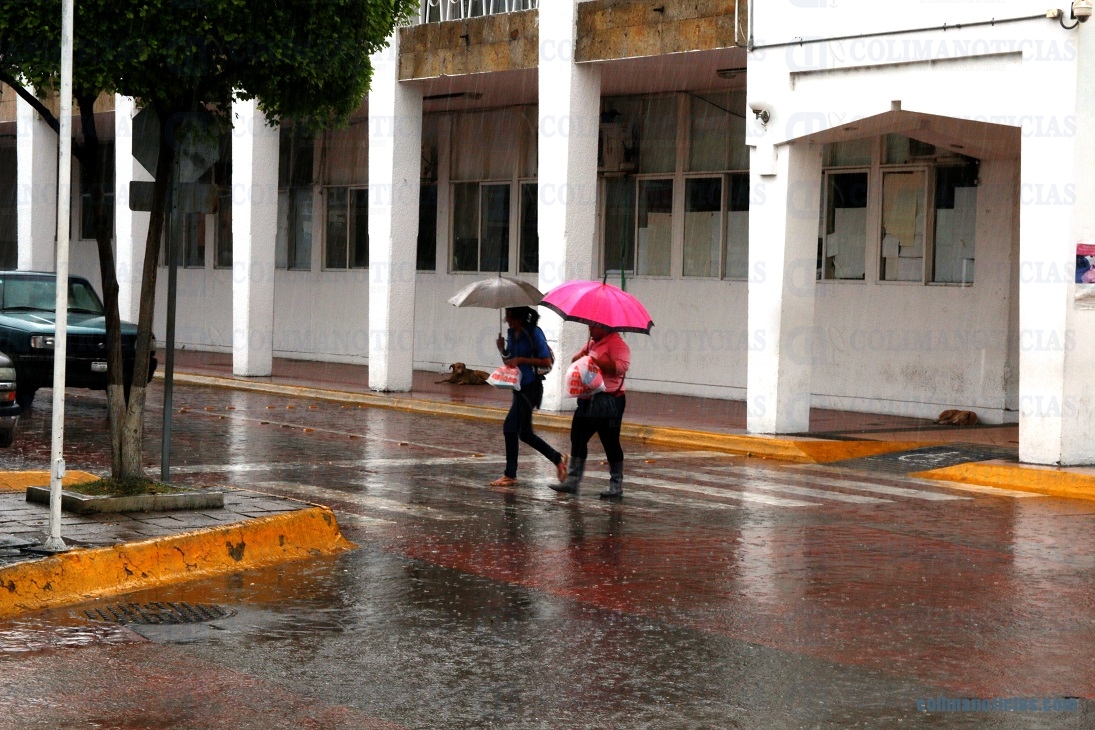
x,y
36,154
395,172
783,263
254,229
1057,332
130,227
569,126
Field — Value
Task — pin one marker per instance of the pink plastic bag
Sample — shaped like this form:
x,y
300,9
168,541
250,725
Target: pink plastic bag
x,y
583,378
506,377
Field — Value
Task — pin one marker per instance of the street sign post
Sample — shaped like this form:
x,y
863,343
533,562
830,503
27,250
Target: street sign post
x,y
198,149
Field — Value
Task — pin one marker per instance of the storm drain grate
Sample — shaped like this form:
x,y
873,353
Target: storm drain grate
x,y
159,613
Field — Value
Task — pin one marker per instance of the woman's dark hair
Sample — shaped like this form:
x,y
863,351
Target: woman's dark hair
x,y
527,315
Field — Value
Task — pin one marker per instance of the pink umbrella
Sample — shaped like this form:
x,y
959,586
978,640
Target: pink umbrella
x,y
594,302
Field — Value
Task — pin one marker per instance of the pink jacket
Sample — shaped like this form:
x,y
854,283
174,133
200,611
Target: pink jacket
x,y
611,347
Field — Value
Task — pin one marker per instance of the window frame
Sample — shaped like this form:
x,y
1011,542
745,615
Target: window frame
x,y
928,168
350,227
823,224
108,181
671,178
290,183
720,259
510,218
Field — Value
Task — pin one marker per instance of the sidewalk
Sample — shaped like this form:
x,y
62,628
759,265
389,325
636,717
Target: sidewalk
x,y
117,553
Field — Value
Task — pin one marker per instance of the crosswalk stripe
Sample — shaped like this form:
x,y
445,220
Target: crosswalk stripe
x,y
244,468
850,484
771,485
978,488
724,493
360,500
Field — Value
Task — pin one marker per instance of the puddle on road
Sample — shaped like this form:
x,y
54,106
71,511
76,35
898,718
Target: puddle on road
x,y
57,630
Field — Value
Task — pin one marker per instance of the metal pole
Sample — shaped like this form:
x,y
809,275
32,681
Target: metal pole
x,y
169,347
60,337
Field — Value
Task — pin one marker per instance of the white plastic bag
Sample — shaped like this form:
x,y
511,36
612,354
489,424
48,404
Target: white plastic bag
x,y
506,378
583,378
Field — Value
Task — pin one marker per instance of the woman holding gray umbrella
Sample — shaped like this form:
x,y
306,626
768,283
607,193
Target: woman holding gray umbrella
x,y
525,348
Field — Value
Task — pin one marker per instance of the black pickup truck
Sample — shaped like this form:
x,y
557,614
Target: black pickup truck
x,y
27,328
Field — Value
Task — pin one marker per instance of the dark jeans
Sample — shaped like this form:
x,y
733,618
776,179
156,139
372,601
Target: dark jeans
x,y
518,425
582,428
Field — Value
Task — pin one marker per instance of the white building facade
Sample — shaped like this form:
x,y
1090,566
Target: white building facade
x,y
821,206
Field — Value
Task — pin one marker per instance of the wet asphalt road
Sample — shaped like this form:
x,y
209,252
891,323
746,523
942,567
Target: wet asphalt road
x,y
722,593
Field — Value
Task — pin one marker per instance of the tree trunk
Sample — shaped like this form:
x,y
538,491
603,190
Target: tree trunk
x,y
133,430
91,174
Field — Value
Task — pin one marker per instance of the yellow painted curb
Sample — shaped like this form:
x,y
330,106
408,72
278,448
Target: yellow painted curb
x,y
82,575
811,451
807,451
18,481
1048,480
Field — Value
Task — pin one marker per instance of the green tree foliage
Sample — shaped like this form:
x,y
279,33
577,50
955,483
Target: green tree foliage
x,y
303,59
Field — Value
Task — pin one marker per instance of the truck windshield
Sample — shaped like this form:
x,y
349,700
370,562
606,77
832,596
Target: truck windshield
x,y
39,293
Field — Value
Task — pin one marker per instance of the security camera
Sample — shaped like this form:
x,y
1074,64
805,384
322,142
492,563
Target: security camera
x,y
1081,10
760,111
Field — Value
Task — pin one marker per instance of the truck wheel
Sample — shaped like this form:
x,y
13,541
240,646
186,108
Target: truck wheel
x,y
24,397
6,437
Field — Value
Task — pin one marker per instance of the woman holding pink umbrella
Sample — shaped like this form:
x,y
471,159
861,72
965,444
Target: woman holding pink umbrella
x,y
608,311
608,351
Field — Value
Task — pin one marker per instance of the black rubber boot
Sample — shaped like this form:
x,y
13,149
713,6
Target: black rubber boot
x,y
615,481
574,477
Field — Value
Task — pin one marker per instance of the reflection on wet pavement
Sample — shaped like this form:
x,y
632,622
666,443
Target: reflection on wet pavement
x,y
722,592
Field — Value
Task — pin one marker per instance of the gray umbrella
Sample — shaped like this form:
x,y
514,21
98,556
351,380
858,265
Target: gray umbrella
x,y
497,293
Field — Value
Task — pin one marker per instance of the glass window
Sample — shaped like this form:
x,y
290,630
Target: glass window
x,y
901,150
843,243
222,232
955,223
709,136
529,261
853,153
494,253
186,233
347,228
736,264
105,183
717,132
294,248
465,227
619,236
359,228
338,227
702,226
299,254
658,134
655,227
192,232
480,227
903,217
224,228
427,227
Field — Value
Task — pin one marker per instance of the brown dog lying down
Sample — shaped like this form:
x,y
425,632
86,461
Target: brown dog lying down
x,y
462,376
957,418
